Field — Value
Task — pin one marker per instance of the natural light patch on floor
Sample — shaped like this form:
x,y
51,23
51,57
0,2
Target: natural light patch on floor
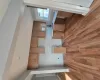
x,y
49,58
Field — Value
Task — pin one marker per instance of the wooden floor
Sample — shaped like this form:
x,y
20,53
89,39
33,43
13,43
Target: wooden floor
x,y
37,32
82,42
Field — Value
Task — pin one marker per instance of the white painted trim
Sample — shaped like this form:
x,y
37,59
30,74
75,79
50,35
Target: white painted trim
x,y
57,6
49,70
55,16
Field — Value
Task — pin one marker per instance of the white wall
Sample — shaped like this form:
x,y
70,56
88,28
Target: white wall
x,y
21,53
25,76
29,77
85,3
3,7
8,28
11,30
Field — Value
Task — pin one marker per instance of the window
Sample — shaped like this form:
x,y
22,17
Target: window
x,y
43,13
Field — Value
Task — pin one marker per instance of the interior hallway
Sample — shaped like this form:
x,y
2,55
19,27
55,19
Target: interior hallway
x,y
45,50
